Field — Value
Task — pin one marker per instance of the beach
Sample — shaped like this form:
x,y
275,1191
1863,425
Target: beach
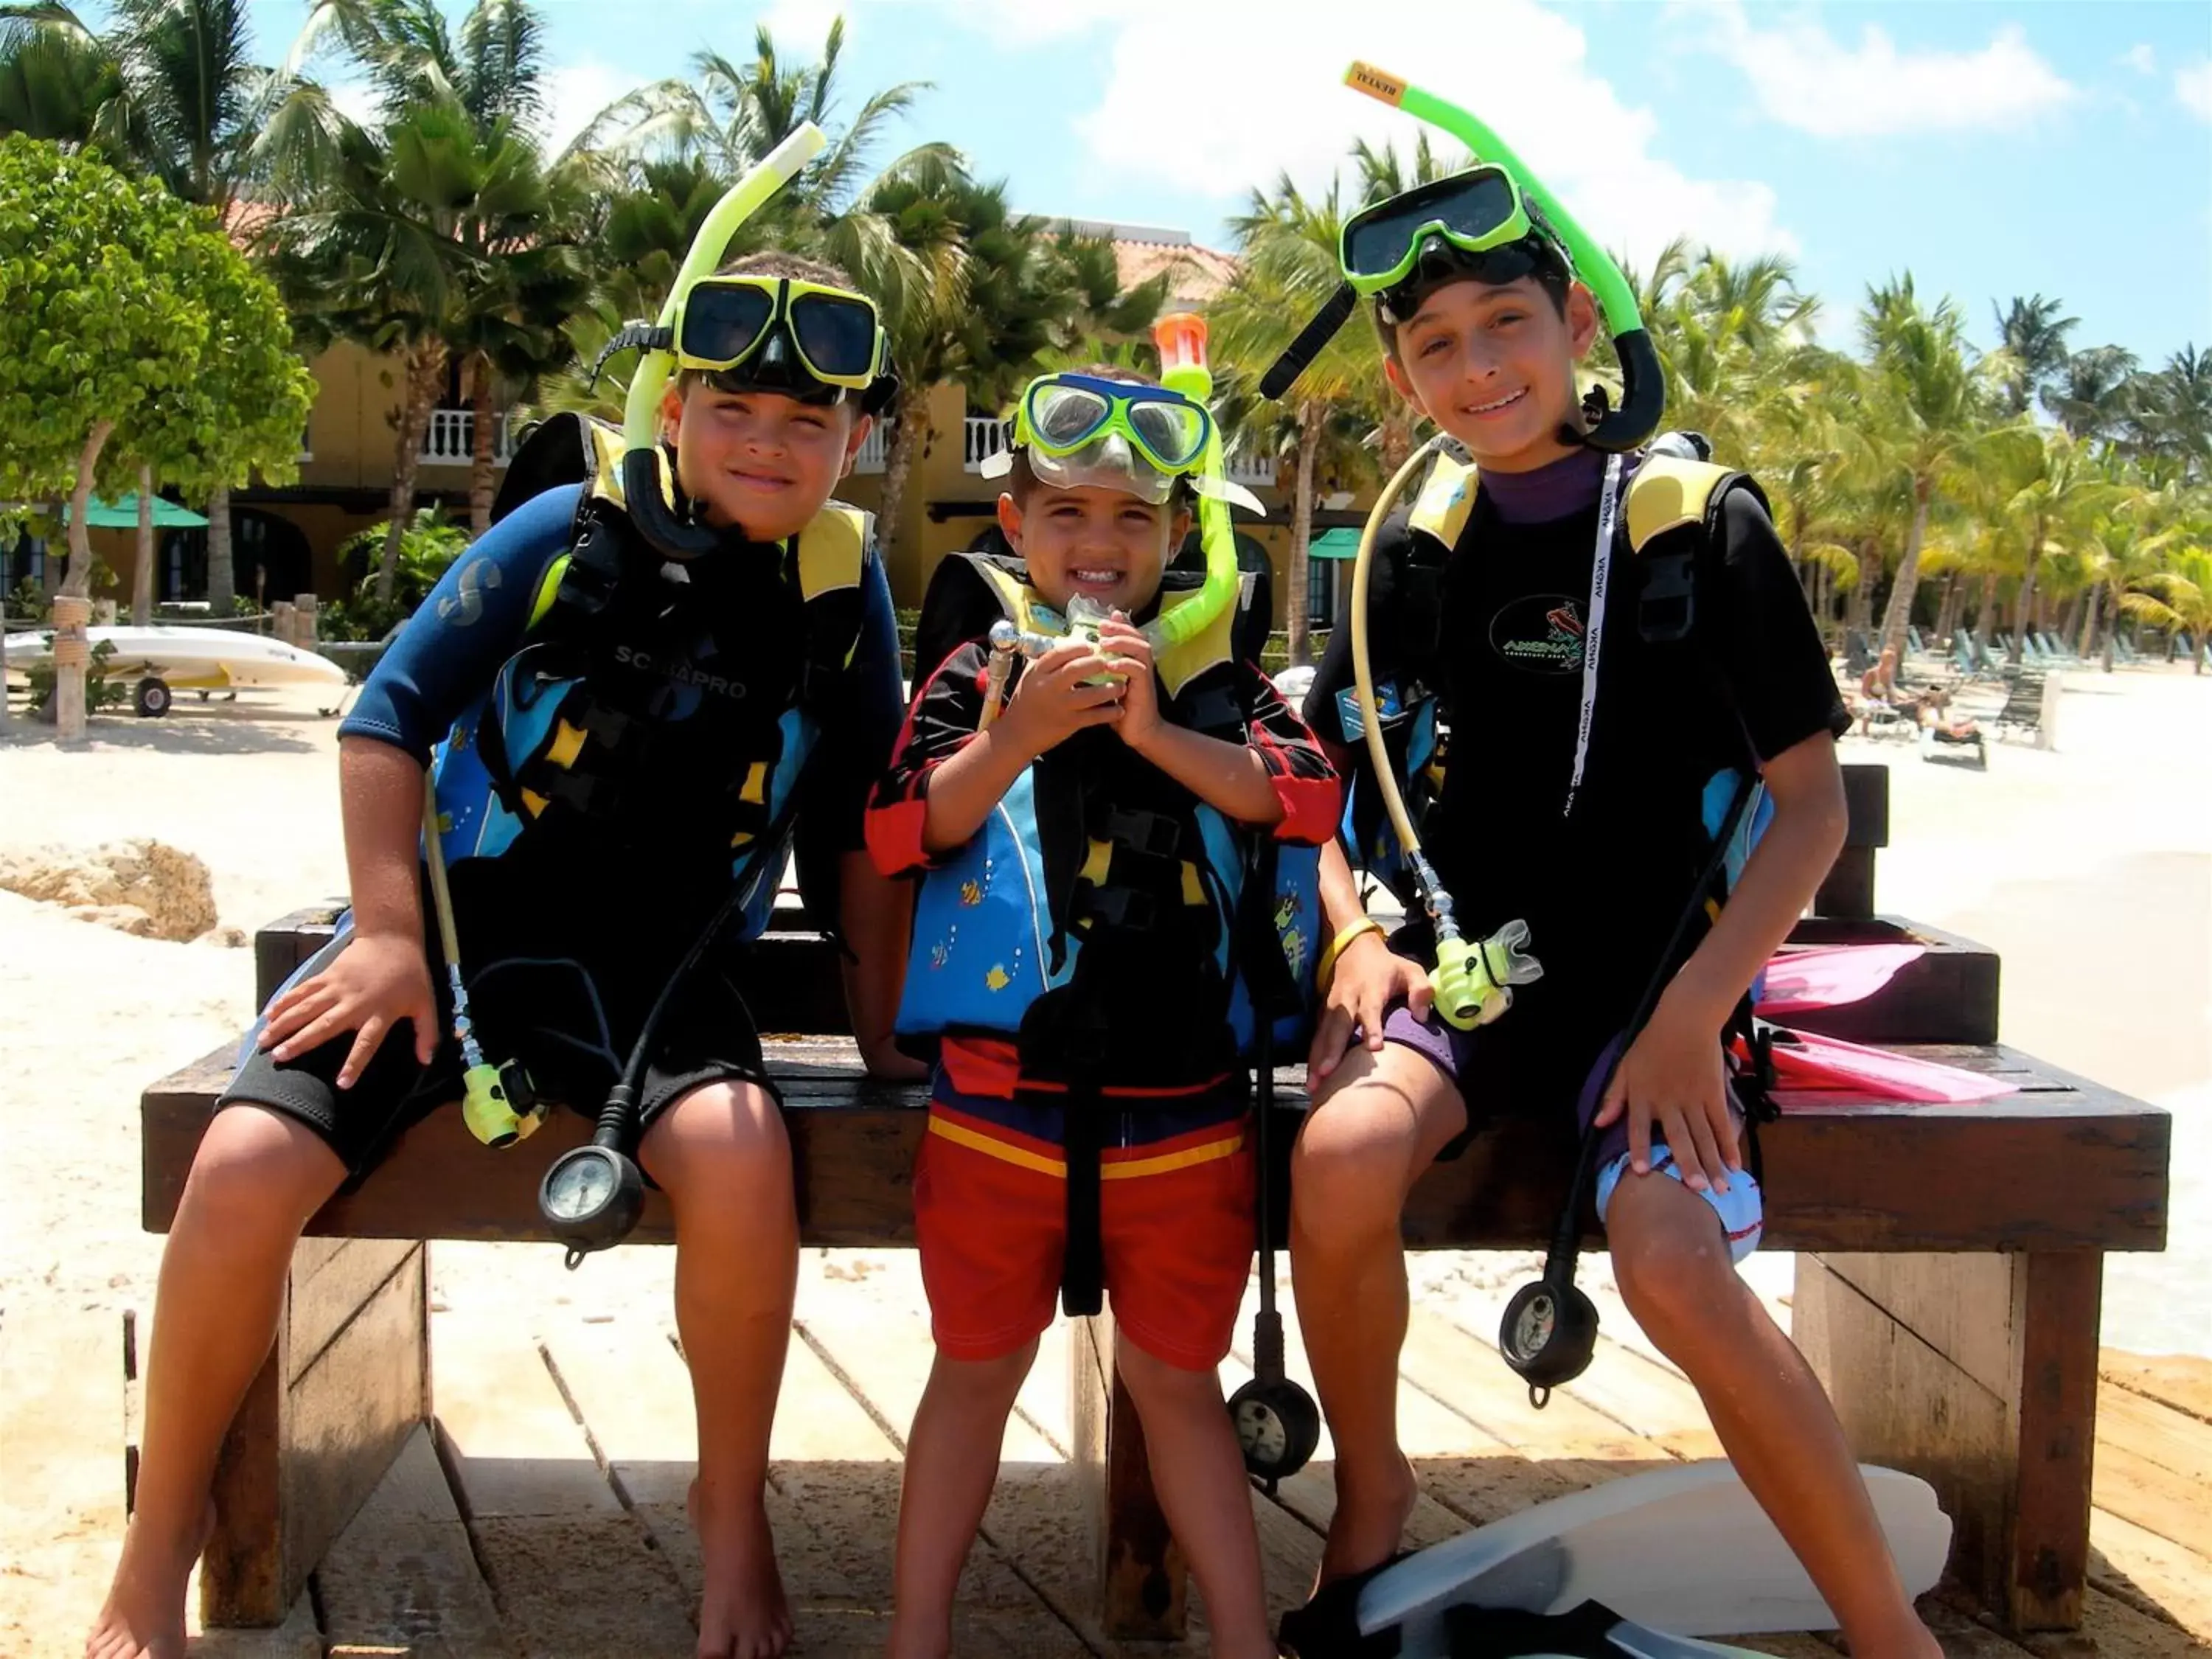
x,y
2087,867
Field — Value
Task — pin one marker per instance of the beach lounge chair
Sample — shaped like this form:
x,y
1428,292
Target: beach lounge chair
x,y
2023,705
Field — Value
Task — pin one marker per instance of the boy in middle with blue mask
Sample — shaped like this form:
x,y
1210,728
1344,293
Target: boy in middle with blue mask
x,y
1083,844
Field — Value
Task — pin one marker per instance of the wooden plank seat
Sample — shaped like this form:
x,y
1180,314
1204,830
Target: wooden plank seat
x,y
1948,1296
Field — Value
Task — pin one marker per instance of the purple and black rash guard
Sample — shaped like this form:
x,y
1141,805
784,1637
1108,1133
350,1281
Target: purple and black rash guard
x,y
476,619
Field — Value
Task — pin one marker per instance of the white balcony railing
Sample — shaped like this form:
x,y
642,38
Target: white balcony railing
x,y
876,450
1252,472
981,436
446,438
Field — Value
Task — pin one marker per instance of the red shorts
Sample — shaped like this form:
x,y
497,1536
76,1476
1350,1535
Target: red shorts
x,y
1175,1222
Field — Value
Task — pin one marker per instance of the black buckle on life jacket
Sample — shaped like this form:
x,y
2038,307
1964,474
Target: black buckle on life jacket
x,y
1121,906
1153,834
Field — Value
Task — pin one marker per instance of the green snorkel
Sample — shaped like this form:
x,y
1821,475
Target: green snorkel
x,y
1643,387
647,499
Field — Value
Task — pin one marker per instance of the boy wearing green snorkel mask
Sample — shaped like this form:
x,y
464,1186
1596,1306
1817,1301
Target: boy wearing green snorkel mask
x,y
1586,805
622,742
1078,820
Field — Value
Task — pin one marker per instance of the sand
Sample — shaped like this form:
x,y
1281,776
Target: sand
x,y
2090,868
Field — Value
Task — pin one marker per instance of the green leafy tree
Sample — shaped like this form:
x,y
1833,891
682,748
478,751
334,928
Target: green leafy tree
x,y
133,334
171,88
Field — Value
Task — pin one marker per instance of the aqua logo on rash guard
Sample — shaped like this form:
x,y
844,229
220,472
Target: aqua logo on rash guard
x,y
1540,633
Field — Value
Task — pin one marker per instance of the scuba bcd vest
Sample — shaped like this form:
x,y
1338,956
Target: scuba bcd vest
x,y
1103,912
1671,516
655,709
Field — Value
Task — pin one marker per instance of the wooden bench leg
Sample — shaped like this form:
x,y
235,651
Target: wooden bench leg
x,y
345,1383
1142,1576
1978,1373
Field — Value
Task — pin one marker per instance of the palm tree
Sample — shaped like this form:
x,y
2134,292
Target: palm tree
x,y
440,233
56,76
2053,493
2033,335
434,237
727,115
2177,600
1289,269
2091,396
172,88
1927,407
981,297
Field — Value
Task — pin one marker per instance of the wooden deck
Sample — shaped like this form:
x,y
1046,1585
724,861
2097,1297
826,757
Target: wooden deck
x,y
546,1515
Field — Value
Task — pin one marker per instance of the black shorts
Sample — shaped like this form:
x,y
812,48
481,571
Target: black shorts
x,y
571,1019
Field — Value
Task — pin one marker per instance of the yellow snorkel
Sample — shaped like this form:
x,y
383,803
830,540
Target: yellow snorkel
x,y
650,501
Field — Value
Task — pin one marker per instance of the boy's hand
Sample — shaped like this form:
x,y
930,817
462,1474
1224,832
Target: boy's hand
x,y
1132,654
1369,977
377,980
1050,704
1673,1073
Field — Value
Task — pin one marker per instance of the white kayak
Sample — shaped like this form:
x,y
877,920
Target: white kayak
x,y
189,658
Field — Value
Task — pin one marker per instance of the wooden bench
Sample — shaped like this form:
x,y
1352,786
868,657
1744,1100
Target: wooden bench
x,y
1948,1296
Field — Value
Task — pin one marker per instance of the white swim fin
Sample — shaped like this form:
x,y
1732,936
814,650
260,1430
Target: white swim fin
x,y
1683,1550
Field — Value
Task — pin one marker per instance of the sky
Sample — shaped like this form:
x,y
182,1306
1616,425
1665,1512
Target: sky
x,y
2054,147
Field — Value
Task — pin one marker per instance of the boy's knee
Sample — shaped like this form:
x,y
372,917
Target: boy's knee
x,y
718,1140
1671,1260
1349,1172
257,1168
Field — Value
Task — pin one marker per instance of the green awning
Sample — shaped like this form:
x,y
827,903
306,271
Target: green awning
x,y
1341,544
124,514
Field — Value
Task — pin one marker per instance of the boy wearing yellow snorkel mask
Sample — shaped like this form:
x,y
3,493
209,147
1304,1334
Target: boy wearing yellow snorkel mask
x,y
1592,806
625,738
1078,838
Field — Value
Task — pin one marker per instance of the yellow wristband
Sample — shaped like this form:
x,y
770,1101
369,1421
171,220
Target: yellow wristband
x,y
1335,947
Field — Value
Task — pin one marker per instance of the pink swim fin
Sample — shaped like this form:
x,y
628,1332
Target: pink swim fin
x,y
1829,976
1809,1065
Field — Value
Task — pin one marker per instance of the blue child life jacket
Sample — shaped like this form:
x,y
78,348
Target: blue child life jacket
x,y
632,710
1002,927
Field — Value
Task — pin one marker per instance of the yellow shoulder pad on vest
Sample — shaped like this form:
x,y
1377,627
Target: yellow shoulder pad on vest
x,y
1211,647
1014,596
1668,492
606,460
1446,498
832,550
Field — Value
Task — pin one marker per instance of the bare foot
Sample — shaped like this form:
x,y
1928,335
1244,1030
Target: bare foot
x,y
143,1617
1364,1531
742,1613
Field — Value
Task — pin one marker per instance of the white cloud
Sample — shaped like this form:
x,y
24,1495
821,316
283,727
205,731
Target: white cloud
x,y
2193,86
1803,78
1223,97
354,99
2140,58
575,92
